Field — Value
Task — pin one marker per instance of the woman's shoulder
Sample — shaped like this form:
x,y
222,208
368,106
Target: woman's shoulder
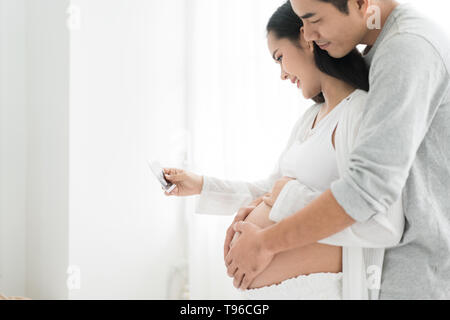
x,y
360,94
312,111
305,121
308,115
351,117
356,105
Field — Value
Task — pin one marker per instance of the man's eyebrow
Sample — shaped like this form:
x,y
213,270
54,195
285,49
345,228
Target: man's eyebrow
x,y
273,55
308,15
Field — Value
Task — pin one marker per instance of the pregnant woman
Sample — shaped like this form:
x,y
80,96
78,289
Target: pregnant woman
x,y
307,167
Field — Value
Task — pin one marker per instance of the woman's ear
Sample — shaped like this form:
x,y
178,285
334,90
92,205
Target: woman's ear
x,y
311,46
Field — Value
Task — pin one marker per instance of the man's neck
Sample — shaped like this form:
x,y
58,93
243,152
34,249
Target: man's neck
x,y
386,8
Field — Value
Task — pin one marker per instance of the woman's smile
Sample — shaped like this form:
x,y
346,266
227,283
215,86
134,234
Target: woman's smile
x,y
296,81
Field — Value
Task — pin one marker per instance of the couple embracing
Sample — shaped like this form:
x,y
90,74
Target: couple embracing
x,y
357,206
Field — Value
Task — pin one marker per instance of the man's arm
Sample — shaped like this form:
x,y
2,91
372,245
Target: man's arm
x,y
320,219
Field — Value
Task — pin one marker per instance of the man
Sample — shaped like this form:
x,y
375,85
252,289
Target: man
x,y
403,149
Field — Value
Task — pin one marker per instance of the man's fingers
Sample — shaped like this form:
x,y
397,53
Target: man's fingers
x,y
245,283
237,279
231,270
228,259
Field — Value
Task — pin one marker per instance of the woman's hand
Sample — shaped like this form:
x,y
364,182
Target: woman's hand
x,y
270,198
187,183
240,216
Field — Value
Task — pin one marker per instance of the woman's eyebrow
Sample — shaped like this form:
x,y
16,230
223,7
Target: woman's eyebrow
x,y
273,55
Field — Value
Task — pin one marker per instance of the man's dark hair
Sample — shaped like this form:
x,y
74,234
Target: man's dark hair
x,y
352,69
341,5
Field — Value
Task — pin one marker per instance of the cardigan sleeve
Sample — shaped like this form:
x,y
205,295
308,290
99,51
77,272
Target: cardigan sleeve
x,y
381,231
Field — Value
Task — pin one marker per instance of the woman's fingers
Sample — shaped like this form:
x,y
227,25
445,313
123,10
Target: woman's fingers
x,y
171,170
240,216
268,200
175,177
243,213
228,239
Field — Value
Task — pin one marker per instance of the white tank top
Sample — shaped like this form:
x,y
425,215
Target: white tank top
x,y
312,159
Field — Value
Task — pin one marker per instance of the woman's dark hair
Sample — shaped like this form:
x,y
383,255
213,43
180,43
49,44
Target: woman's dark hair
x,y
351,69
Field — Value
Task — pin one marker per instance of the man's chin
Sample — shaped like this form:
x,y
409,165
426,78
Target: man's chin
x,y
337,53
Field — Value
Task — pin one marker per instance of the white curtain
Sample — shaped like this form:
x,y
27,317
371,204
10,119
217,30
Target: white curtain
x,y
240,115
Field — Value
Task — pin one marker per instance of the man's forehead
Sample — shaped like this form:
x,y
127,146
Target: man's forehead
x,y
305,8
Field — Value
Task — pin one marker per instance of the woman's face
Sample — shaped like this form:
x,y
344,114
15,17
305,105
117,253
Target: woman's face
x,y
297,63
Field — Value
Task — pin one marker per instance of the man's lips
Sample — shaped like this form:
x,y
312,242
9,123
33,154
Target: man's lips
x,y
323,45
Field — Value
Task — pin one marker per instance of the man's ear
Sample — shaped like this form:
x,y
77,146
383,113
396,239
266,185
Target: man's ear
x,y
360,5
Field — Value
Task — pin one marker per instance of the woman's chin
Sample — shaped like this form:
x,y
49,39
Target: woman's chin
x,y
306,95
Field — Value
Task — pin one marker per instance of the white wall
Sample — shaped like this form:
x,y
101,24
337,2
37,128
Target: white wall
x,y
48,149
127,105
80,113
13,140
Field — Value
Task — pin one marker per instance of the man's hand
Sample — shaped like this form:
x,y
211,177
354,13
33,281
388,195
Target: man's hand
x,y
248,257
270,198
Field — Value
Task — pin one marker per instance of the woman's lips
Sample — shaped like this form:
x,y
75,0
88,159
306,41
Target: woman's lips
x,y
298,84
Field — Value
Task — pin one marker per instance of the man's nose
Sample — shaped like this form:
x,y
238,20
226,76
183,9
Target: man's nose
x,y
310,33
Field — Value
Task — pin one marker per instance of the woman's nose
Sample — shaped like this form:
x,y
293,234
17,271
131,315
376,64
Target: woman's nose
x,y
284,75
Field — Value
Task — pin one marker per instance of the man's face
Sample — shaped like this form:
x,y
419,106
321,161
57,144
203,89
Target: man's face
x,y
332,30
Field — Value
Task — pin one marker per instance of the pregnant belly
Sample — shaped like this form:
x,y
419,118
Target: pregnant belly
x,y
313,258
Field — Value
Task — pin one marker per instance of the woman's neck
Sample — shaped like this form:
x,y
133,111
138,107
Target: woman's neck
x,y
334,91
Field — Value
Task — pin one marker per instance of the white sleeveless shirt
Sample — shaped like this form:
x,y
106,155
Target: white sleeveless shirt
x,y
312,158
